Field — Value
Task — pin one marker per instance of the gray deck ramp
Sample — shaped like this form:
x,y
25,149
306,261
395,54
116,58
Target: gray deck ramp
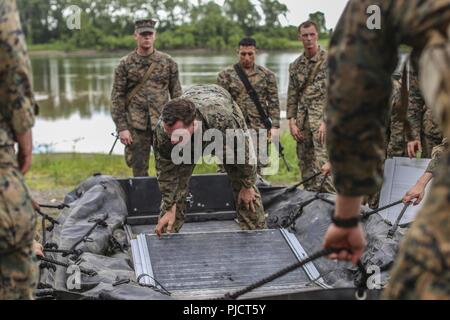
x,y
216,262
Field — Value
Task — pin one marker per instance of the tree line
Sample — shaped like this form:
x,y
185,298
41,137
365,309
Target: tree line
x,y
183,24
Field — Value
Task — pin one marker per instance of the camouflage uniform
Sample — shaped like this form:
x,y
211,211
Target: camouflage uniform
x,y
397,143
18,268
436,155
265,84
142,114
423,126
361,63
306,103
216,110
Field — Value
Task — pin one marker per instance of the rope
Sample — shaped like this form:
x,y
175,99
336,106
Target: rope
x,y
161,288
278,274
90,273
365,215
394,228
98,222
292,188
51,206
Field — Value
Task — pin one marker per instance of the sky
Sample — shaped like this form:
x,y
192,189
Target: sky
x,y
299,10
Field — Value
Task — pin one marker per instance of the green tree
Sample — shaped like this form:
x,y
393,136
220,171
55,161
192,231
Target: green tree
x,y
272,10
244,13
319,18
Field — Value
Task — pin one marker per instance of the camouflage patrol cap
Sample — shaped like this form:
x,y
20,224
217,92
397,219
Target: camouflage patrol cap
x,y
145,25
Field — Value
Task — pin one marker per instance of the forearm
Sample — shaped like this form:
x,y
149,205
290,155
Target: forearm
x,y
347,207
25,142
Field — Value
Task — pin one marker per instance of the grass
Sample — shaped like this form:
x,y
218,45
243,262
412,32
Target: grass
x,y
56,170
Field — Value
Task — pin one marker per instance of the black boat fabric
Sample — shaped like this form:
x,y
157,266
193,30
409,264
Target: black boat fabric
x,y
107,249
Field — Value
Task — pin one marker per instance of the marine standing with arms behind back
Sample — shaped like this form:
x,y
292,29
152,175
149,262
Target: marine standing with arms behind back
x,y
144,81
307,96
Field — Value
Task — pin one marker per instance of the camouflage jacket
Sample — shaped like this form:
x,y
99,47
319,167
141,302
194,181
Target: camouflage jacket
x,y
16,98
308,97
361,62
419,115
146,105
216,110
265,84
438,151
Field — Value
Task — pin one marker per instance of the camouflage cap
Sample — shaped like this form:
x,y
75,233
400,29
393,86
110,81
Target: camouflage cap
x,y
147,25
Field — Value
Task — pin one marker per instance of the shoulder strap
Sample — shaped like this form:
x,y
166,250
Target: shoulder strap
x,y
311,76
141,84
254,96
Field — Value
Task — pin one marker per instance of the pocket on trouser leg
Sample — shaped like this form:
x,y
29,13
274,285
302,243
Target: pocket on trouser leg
x,y
18,275
17,216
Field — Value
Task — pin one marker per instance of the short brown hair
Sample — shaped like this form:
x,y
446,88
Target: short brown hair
x,y
308,24
178,109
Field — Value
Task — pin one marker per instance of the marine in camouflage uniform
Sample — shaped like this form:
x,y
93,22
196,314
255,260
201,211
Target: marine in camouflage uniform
x,y
144,109
361,63
396,133
215,109
436,154
265,84
423,126
18,267
306,104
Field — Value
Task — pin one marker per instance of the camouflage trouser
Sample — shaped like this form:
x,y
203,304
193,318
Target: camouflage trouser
x,y
137,155
422,268
397,144
431,135
18,267
247,219
312,155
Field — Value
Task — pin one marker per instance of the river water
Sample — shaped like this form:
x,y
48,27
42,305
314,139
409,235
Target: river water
x,y
74,95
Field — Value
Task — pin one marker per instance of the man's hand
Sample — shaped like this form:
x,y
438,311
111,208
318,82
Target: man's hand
x,y
248,198
351,240
413,147
25,156
417,192
274,133
38,249
165,224
322,133
125,137
295,131
35,205
326,169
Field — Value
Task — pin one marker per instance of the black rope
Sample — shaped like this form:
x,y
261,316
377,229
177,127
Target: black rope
x,y
84,238
295,186
161,288
43,230
54,206
367,214
280,273
46,217
88,272
394,228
